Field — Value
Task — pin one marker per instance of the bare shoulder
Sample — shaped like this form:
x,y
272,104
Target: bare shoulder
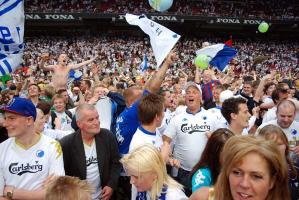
x,y
200,194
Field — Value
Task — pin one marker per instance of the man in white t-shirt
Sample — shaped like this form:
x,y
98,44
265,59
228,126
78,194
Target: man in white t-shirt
x,y
188,129
91,153
27,159
278,95
222,122
236,113
286,112
150,115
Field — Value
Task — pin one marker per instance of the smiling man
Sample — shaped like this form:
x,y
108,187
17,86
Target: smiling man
x,y
189,131
27,159
96,154
236,113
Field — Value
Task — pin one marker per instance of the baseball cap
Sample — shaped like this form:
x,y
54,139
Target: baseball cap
x,y
190,83
20,106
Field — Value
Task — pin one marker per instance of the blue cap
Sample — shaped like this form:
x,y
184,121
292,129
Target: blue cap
x,y
20,106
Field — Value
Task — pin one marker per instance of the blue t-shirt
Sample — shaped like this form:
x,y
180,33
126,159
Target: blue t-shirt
x,y
201,178
126,125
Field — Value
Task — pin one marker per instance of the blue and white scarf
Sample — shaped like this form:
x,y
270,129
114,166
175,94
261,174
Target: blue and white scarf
x,y
142,195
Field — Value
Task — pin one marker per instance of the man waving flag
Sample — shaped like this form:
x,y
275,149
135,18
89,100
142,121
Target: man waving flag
x,y
162,39
11,35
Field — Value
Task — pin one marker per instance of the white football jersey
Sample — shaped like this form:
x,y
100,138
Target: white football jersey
x,y
28,168
141,137
189,131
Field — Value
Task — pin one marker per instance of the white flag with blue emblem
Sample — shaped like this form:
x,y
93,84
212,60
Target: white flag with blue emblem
x,y
11,35
162,39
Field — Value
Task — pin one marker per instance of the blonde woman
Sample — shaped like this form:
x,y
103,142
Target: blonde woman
x,y
149,178
254,169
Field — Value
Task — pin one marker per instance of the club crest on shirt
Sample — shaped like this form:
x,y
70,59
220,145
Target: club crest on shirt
x,y
40,153
294,132
184,120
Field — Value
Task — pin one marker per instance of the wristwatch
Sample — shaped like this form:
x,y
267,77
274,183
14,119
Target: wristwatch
x,y
9,194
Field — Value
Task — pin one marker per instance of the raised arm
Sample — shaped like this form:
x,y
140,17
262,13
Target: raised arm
x,y
117,97
77,66
25,84
184,74
95,73
259,91
44,58
154,83
197,75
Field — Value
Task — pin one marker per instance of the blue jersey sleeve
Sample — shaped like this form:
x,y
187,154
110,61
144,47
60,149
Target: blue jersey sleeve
x,y
201,178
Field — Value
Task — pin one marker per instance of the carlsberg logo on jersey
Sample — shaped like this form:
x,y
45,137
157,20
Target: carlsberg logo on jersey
x,y
15,168
91,160
195,128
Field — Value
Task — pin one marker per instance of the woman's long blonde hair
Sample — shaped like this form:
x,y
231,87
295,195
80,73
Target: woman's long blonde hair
x,y
239,146
147,158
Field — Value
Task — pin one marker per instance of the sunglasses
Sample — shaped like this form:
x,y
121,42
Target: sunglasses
x,y
284,90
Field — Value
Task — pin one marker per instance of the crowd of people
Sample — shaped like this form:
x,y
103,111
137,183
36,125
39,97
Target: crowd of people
x,y
60,6
91,109
125,54
251,9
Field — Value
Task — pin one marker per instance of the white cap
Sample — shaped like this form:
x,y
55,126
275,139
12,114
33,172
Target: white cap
x,y
193,84
226,94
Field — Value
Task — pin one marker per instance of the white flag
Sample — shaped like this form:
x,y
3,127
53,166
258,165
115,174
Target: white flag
x,y
162,39
11,35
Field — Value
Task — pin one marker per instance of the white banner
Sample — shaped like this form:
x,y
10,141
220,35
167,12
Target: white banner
x,y
11,35
162,39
